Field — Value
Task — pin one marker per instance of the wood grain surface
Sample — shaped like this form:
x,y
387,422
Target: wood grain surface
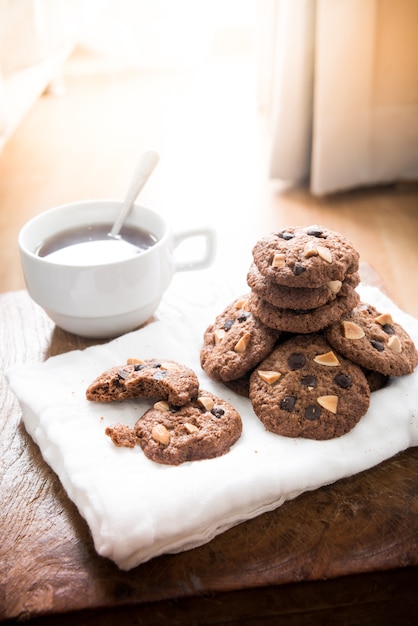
x,y
349,548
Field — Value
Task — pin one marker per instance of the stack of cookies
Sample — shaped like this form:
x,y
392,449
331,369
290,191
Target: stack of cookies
x,y
301,345
303,279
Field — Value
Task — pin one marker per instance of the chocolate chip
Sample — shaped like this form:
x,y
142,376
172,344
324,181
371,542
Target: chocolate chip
x,y
298,269
228,324
217,411
123,373
288,403
160,375
378,345
284,234
343,380
309,381
139,366
296,361
242,317
157,365
313,412
388,328
313,231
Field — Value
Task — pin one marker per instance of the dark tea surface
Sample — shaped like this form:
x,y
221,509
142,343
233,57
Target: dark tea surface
x,y
89,245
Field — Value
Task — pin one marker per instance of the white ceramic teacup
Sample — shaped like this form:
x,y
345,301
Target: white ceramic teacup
x,y
104,300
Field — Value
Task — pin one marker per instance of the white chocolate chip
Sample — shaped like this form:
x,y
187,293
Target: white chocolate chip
x,y
394,344
170,366
352,330
279,260
191,428
328,358
329,403
324,253
310,249
269,376
334,286
242,304
242,343
383,319
162,406
218,335
160,434
206,402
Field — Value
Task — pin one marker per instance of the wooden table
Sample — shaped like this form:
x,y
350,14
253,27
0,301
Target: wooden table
x,y
346,553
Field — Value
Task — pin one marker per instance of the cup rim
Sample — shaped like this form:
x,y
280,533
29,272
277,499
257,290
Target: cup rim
x,y
99,203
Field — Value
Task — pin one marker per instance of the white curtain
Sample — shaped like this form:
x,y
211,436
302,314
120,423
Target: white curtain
x,y
339,81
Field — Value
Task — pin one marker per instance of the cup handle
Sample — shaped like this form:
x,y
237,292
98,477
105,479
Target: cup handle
x,y
209,236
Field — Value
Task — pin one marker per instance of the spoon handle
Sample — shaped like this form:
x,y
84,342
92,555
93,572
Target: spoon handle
x,y
143,171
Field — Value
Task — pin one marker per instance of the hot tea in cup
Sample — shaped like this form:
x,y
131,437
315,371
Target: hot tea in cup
x,y
94,244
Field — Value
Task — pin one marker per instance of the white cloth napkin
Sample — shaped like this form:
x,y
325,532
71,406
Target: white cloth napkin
x,y
137,509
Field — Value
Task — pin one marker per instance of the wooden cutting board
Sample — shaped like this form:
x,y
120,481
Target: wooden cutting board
x,y
350,546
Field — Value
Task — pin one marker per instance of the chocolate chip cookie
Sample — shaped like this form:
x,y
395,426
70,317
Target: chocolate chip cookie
x,y
376,380
374,341
240,386
150,378
302,321
305,389
302,298
204,428
235,342
305,257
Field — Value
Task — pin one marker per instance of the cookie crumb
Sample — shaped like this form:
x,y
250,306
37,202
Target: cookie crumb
x,y
121,435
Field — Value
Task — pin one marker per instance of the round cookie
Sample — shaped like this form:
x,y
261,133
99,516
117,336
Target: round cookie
x,y
305,257
204,428
299,298
374,341
235,342
150,378
376,380
304,389
302,321
241,386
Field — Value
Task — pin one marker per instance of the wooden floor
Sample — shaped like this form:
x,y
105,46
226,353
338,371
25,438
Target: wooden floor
x,y
211,137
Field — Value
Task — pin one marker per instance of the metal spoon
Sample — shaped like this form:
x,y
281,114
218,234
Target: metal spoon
x,y
143,171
